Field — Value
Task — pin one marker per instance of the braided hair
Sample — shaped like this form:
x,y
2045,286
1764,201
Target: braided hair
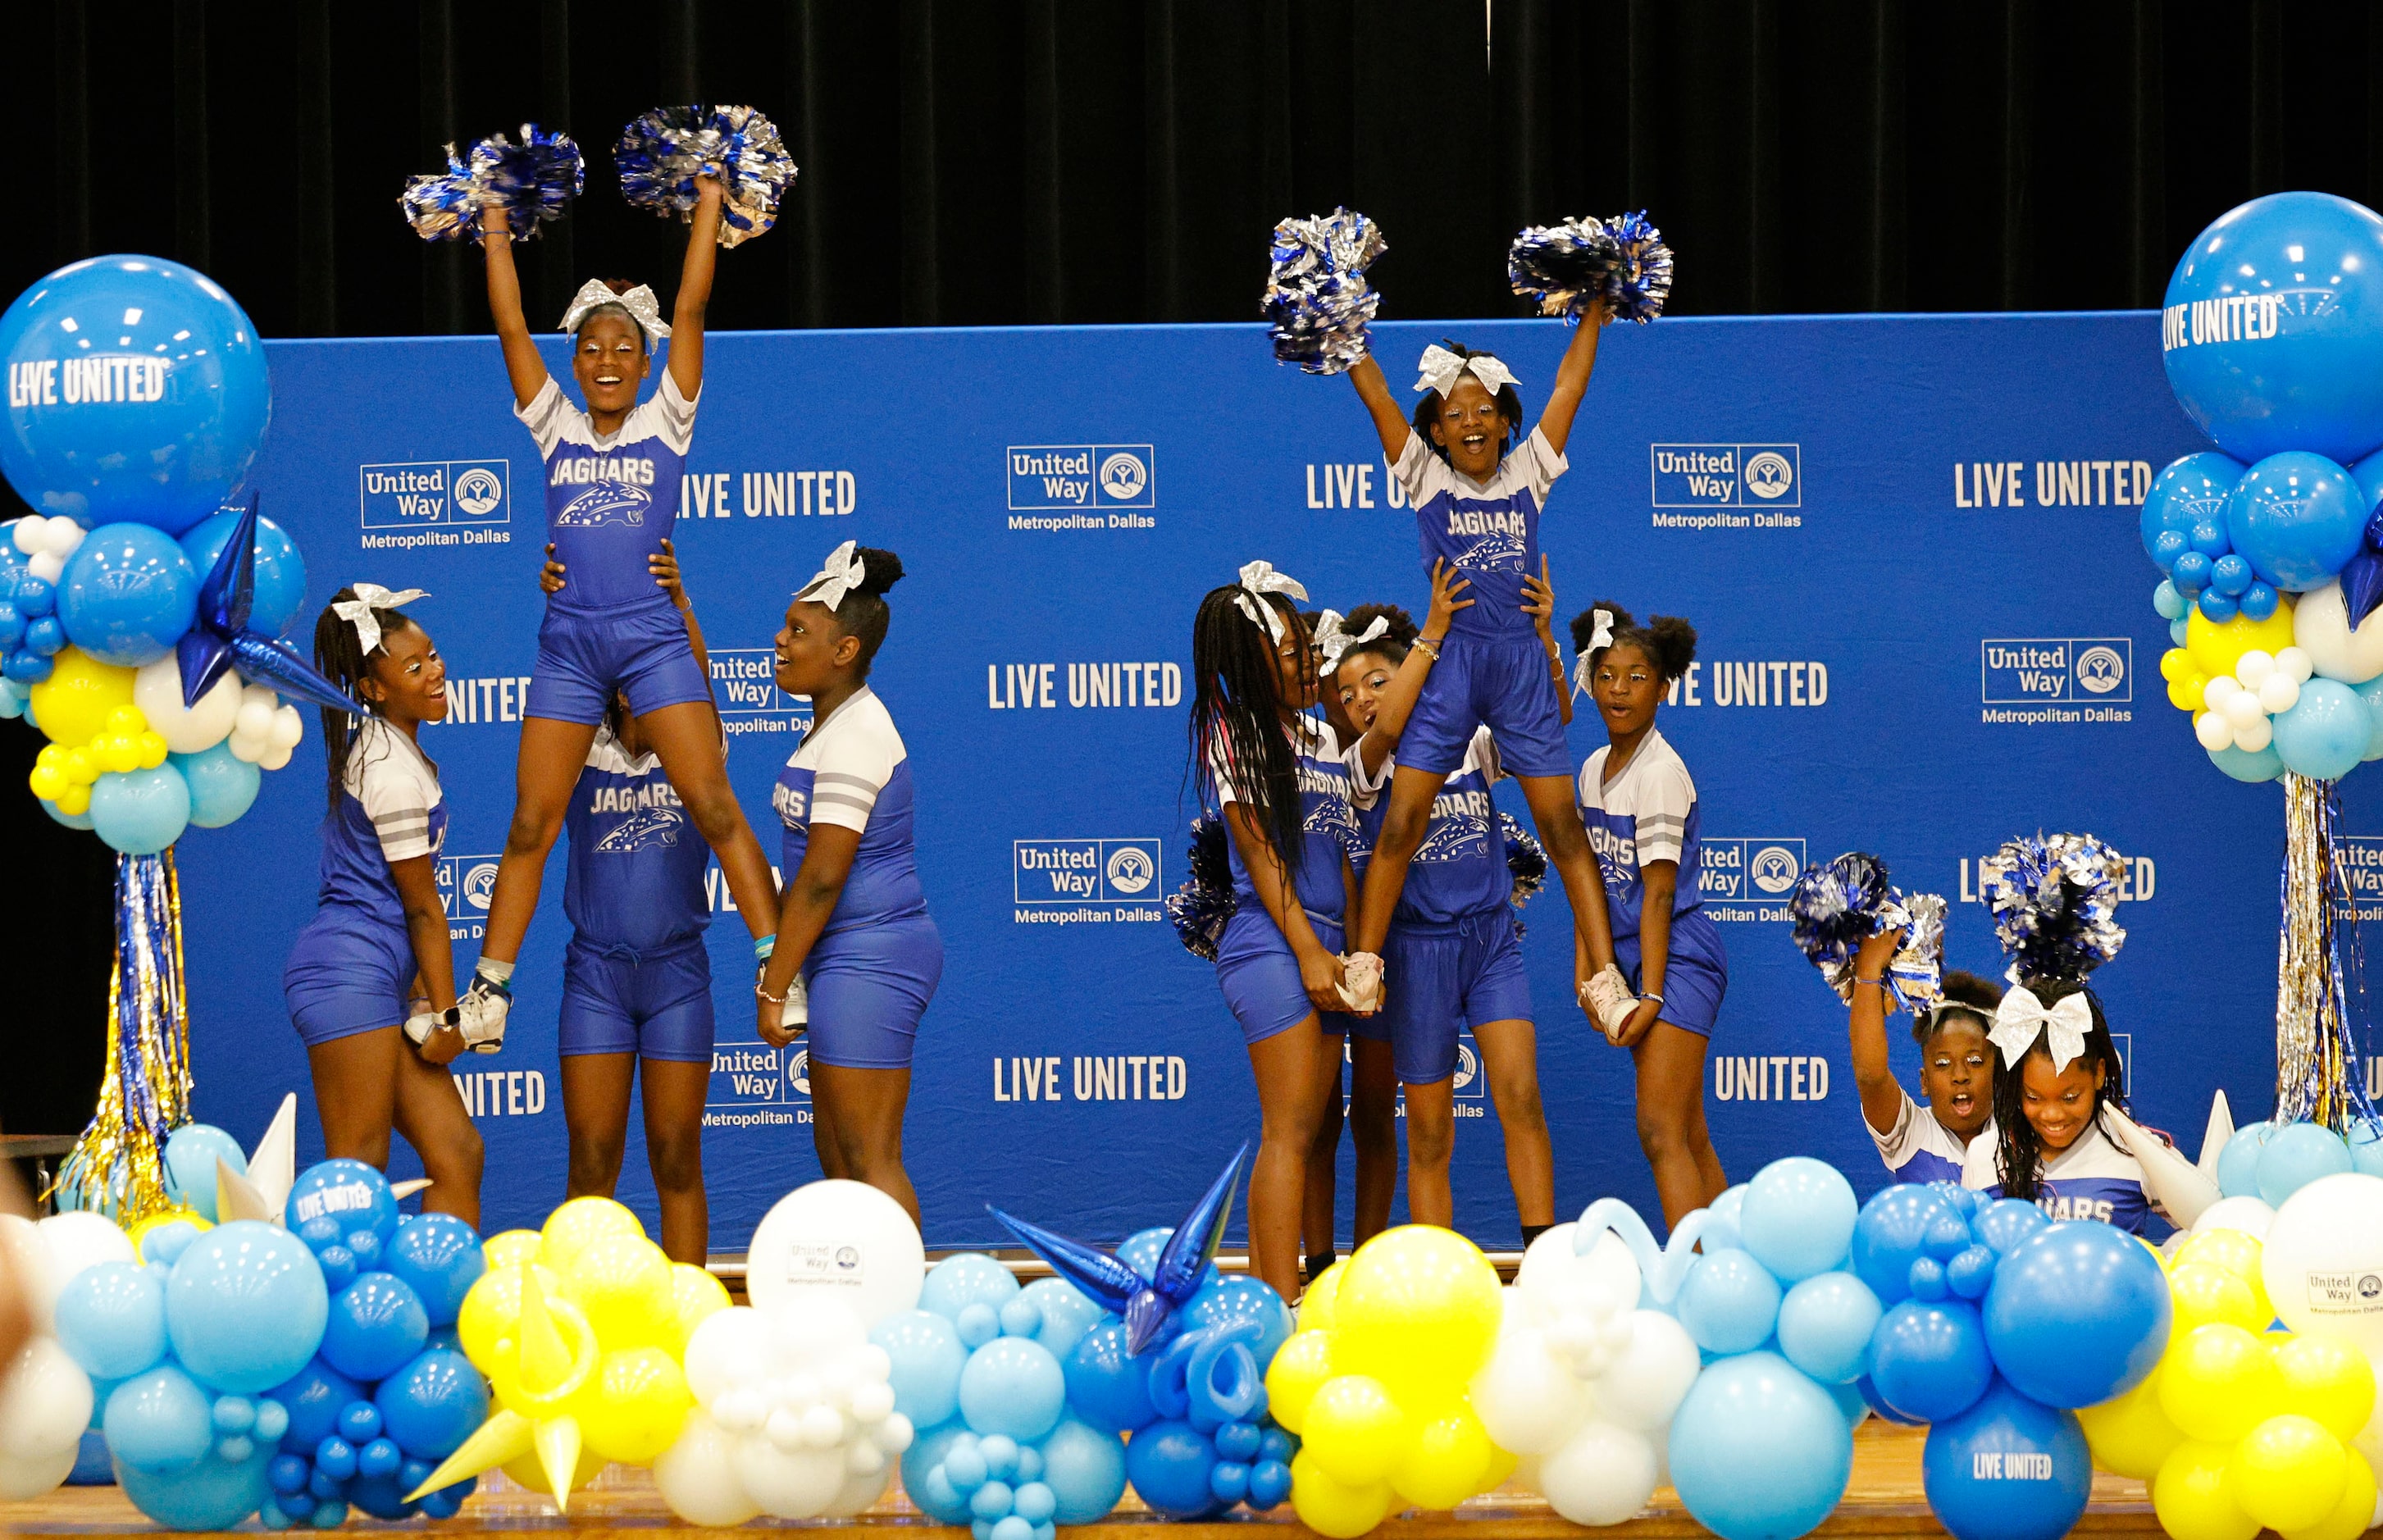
x,y
1237,715
1427,412
864,612
2020,1153
1668,642
341,657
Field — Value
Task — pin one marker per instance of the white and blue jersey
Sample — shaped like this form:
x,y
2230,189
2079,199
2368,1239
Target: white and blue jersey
x,y
2091,1179
852,770
1919,1149
1646,814
611,502
637,860
1460,867
391,809
1328,820
1489,529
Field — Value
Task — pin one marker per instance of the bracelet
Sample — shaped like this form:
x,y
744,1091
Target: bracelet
x,y
1875,983
1655,998
767,944
773,999
1428,647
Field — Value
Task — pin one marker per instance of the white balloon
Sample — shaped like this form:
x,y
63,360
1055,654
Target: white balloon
x,y
894,1435
872,1401
44,1401
25,533
23,1257
788,1483
1551,1271
247,750
2279,692
1525,1396
1614,1268
836,1240
274,758
698,1476
730,1349
157,690
22,1480
2251,1215
2296,662
860,1490
2253,666
2216,692
1603,1476
2323,1260
2241,709
61,537
255,721
2256,736
784,1428
288,727
49,566
1651,1377
2210,729
262,693
864,1458
739,1409
76,1239
2321,629
823,1427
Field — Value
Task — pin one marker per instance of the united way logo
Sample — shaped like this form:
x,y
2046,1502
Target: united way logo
x,y
1124,475
1084,871
430,493
1082,475
1727,475
465,884
1131,868
2017,671
1748,879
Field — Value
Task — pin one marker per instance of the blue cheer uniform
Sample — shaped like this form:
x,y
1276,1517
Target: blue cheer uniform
x,y
1255,966
1648,813
353,968
1919,1149
610,504
1452,956
2092,1179
876,965
1493,667
635,978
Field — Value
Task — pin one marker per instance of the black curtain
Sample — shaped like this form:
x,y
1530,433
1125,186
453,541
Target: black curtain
x,y
1071,161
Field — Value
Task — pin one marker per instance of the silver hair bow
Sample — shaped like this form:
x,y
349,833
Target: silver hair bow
x,y
1334,642
359,611
1442,370
1598,639
639,303
840,576
1259,579
2021,1015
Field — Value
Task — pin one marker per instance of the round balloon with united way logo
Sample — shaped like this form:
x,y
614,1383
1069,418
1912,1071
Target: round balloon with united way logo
x,y
2273,328
137,393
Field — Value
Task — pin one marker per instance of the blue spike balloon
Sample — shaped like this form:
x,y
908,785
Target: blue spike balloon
x,y
1107,1282
221,638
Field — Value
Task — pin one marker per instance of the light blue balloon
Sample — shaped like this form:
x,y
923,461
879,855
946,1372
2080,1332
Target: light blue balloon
x,y
222,785
1013,1386
2178,630
1824,1328
438,1256
150,407
127,594
215,1494
2372,693
2324,736
1065,1314
160,1421
2366,1147
922,1474
1729,1302
141,812
246,1306
2168,602
1724,1215
2242,764
111,1318
2297,1154
281,584
73,821
2298,517
1757,1450
2186,493
191,1152
2301,364
1239,1296
972,1277
2238,1160
1799,1217
927,1358
1848,1397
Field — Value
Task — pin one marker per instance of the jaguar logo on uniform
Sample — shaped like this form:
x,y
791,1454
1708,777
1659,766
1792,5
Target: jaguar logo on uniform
x,y
1748,880
1084,881
607,502
641,828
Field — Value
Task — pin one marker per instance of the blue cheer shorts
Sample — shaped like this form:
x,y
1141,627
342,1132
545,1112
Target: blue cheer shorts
x,y
1437,978
348,973
1695,976
585,654
1505,683
1260,975
869,986
656,1004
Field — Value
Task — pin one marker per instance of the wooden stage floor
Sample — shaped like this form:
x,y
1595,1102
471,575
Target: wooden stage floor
x,y
1885,1500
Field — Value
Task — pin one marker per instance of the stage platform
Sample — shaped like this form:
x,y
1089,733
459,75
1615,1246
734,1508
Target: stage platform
x,y
1885,1500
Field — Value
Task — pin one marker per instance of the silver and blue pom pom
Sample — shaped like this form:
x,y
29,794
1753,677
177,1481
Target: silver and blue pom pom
x,y
1527,861
1563,267
1640,284
2054,899
533,181
1916,976
443,205
1316,295
663,152
1206,901
1837,907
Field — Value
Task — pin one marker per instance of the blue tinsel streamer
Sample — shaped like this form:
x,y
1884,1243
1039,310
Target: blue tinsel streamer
x,y
1525,861
663,152
1317,294
1563,268
2053,898
1206,901
532,182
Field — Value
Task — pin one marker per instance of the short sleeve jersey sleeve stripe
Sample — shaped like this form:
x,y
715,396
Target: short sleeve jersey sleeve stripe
x,y
546,416
1419,471
669,416
397,788
1662,797
1537,463
852,757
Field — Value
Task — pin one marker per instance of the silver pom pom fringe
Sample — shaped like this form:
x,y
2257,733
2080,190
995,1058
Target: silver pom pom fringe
x,y
532,182
1317,294
663,152
2053,898
1563,267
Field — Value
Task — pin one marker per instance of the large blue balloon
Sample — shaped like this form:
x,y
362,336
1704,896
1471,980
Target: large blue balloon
x,y
1797,1218
1013,1386
2297,1155
432,1404
2298,518
127,594
2273,332
1825,1324
1224,1300
2324,734
1892,1234
137,390
1928,1360
1729,1301
215,1494
2079,1312
1757,1450
2238,1159
314,1397
2008,1469
927,1358
160,1421
376,1325
1168,1464
1065,1312
191,1152
246,1306
438,1256
1084,1468
921,1479
335,1199
280,583
111,1318
222,785
2242,764
971,1278
2188,493
1106,1387
141,812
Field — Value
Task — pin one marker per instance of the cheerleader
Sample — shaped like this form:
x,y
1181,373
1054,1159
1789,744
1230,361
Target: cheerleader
x,y
612,482
1957,1069
1641,804
1477,505
637,977
855,959
377,946
1279,776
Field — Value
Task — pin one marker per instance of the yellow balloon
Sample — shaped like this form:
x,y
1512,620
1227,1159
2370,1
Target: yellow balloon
x,y
1315,1305
529,1474
1331,1507
53,756
73,800
632,1407
82,766
1352,1430
1299,1368
2129,1435
2288,1473
695,1294
117,752
508,1247
2219,1383
2193,1497
126,721
1502,1466
570,1228
2175,663
491,1309
1442,1462
72,706
2327,1380
2201,1293
152,749
545,1383
46,782
2352,1515
1419,1310
2239,1254
140,1229
623,1282
2218,645
2189,693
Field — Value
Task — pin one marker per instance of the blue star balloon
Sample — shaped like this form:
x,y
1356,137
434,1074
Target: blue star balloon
x,y
222,638
2362,581
1148,1303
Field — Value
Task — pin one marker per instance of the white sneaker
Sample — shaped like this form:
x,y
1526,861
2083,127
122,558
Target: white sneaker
x,y
1361,986
480,1015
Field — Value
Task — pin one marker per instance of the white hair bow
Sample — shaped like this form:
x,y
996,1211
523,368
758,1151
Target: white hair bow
x,y
1599,637
1333,641
1259,579
358,612
840,576
1442,370
639,303
2021,1015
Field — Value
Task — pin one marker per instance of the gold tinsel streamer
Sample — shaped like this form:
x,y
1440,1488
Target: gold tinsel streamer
x,y
2317,1062
118,1167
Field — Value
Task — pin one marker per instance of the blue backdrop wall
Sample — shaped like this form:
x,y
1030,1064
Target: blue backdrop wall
x,y
1908,545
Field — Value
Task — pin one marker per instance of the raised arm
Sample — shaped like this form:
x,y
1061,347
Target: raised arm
x,y
695,289
1882,1098
523,364
1389,421
1572,377
1405,687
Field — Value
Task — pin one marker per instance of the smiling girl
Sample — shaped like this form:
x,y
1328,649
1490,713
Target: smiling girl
x,y
1957,1069
1640,807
